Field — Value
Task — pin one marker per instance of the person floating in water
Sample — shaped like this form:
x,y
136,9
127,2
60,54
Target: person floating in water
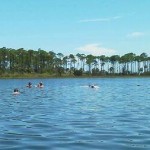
x,y
91,86
40,85
16,91
29,85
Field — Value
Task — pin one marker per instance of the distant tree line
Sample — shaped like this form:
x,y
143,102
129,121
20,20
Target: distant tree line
x,y
40,61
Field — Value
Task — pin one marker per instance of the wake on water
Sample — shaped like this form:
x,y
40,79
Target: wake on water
x,y
89,86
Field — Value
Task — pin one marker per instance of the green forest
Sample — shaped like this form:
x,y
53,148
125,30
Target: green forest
x,y
37,62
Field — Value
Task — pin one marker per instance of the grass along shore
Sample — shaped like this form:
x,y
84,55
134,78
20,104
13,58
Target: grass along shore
x,y
46,75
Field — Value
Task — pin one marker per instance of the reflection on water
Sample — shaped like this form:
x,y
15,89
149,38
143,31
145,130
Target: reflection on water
x,y
67,114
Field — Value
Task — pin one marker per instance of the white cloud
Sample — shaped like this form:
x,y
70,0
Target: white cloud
x,y
136,34
101,19
96,50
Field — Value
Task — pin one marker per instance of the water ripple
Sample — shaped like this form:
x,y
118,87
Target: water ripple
x,y
70,115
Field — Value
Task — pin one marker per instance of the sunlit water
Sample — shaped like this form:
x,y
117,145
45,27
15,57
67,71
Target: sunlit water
x,y
68,115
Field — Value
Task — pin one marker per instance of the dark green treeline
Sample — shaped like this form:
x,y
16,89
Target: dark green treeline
x,y
40,61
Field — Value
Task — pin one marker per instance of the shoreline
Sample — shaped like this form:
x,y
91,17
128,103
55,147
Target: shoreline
x,y
37,76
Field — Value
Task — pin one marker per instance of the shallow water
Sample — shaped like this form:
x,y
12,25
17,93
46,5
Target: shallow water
x,y
66,114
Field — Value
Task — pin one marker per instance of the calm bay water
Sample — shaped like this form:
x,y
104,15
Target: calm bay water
x,y
68,115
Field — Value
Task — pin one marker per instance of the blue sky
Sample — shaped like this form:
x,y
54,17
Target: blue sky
x,y
95,27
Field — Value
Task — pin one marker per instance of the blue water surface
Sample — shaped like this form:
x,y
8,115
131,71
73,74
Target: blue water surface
x,y
68,115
